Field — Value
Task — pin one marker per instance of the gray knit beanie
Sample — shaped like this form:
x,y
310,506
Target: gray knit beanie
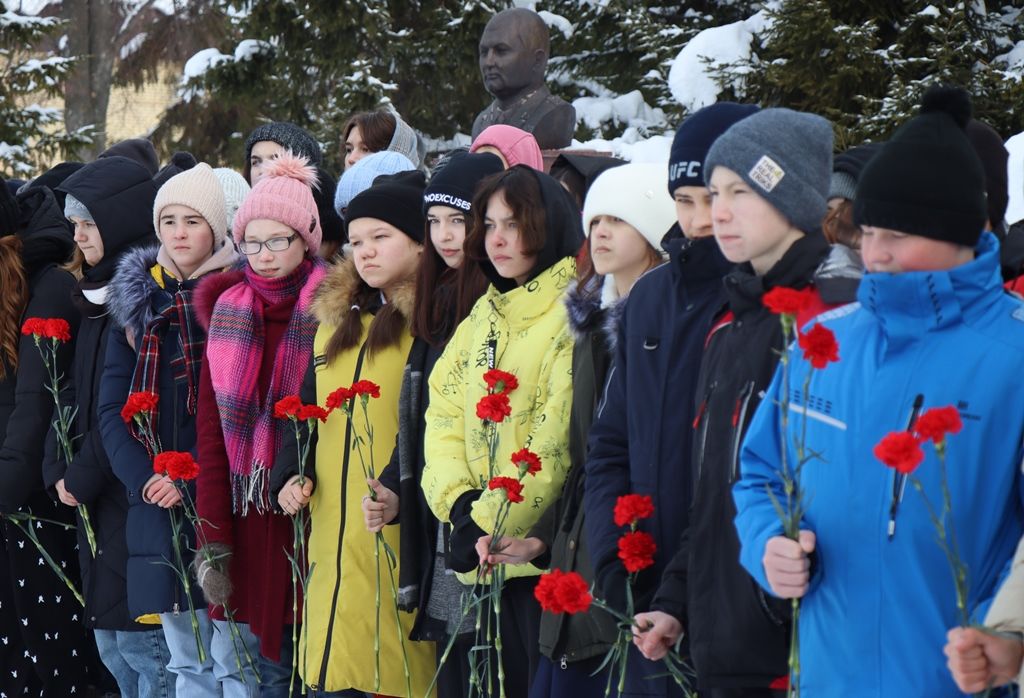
x,y
74,207
288,135
785,156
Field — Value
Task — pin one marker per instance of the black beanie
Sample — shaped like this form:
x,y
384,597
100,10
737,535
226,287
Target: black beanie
x,y
396,199
453,185
330,222
927,180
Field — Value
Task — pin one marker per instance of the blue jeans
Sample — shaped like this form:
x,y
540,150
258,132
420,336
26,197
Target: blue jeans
x,y
275,676
219,674
138,661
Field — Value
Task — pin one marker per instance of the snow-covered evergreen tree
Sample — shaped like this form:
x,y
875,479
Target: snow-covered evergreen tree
x,y
30,134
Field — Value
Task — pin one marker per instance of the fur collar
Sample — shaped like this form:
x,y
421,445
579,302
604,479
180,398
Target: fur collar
x,y
209,290
133,291
338,290
587,315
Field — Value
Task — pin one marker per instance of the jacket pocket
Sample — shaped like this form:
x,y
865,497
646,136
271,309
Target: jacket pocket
x,y
700,423
739,418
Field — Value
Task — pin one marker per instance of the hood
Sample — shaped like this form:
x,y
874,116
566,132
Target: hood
x,y
45,234
133,292
137,150
209,290
839,275
338,291
562,227
119,193
587,314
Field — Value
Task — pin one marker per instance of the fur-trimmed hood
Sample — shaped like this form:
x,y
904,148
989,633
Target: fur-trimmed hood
x,y
586,314
339,289
133,291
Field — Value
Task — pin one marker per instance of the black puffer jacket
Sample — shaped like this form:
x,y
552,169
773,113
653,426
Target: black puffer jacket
x,y
738,635
119,194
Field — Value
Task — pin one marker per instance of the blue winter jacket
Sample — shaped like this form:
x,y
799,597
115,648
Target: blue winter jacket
x,y
874,620
134,299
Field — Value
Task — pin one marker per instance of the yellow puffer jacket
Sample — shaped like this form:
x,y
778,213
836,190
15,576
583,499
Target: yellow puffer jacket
x,y
527,332
341,618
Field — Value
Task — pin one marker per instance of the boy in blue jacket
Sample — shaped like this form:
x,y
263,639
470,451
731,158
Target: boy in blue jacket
x,y
932,328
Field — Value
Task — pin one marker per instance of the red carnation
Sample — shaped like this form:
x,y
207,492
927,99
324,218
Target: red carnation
x,y
499,381
787,301
494,408
527,461
365,387
338,398
307,412
513,488
56,328
636,550
561,592
177,465
900,450
934,424
34,325
820,346
630,508
141,401
287,407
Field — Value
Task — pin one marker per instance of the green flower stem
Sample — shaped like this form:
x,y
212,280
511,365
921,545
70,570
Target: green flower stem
x,y
24,522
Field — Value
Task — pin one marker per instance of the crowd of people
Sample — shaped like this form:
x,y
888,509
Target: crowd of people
x,y
622,308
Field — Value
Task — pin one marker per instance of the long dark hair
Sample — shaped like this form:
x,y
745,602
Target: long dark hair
x,y
522,194
444,296
14,283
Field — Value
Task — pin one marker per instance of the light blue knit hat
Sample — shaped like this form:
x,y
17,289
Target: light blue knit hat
x,y
360,176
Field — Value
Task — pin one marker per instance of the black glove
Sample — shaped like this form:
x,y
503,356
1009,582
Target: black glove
x,y
462,555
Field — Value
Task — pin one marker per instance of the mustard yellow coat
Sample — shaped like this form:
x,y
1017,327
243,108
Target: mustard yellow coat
x,y
527,331
337,648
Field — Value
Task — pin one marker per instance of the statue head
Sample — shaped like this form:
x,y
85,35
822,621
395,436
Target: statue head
x,y
514,52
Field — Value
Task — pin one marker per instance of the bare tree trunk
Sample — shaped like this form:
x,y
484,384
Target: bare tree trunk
x,y
90,36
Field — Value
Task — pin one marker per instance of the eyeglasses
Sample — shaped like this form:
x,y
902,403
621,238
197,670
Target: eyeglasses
x,y
249,247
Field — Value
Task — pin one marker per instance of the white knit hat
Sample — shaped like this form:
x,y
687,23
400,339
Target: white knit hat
x,y
235,190
635,193
199,189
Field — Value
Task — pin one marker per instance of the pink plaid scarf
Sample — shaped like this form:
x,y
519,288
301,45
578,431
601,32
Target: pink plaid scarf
x,y
235,344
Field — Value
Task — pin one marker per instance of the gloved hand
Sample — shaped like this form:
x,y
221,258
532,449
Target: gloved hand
x,y
462,555
211,571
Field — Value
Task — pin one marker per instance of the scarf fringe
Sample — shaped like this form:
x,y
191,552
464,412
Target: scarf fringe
x,y
251,490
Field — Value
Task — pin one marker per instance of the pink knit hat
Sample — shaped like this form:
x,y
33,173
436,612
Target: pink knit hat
x,y
516,145
284,195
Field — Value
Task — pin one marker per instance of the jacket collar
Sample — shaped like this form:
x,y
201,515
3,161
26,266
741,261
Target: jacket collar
x,y
524,304
794,270
912,303
340,289
695,263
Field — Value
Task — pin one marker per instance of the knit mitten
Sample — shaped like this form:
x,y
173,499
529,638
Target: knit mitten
x,y
211,571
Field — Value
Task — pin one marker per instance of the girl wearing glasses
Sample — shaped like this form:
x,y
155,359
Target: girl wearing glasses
x,y
260,336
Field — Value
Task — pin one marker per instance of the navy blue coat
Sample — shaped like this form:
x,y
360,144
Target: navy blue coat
x,y
640,438
134,299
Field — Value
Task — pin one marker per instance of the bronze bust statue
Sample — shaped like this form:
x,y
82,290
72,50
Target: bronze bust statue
x,y
513,59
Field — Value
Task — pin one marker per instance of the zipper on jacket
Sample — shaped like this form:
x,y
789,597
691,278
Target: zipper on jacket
x,y
341,531
701,421
739,416
563,663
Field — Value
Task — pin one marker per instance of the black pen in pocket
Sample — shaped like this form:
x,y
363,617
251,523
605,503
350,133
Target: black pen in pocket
x,y
899,480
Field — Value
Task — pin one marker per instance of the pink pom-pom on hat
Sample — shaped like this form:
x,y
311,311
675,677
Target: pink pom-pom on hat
x,y
285,195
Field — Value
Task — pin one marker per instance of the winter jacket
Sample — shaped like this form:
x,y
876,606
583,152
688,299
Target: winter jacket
x,y
523,331
738,635
119,194
874,620
259,542
26,408
402,476
340,626
641,435
564,637
136,297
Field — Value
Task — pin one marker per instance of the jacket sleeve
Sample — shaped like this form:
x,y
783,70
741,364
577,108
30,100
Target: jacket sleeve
x,y
21,449
286,465
670,596
128,458
607,470
89,473
548,438
1007,610
213,485
756,517
446,475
